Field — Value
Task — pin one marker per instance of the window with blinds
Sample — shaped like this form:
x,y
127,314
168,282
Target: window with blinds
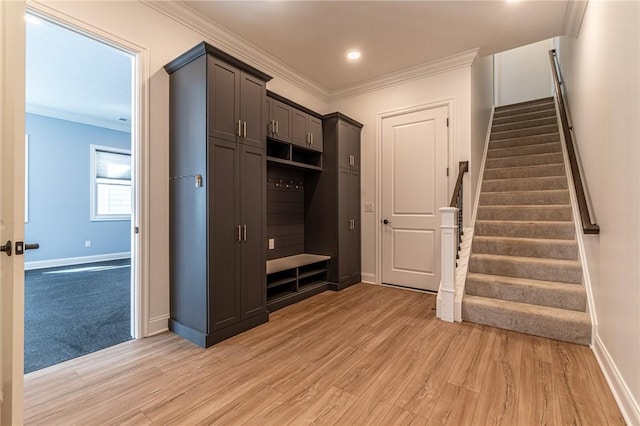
x,y
111,183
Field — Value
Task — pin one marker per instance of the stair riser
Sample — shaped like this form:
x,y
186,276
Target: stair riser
x,y
526,141
544,148
524,124
537,184
519,110
551,112
524,172
552,231
557,249
524,198
541,130
524,161
533,213
533,270
568,331
571,297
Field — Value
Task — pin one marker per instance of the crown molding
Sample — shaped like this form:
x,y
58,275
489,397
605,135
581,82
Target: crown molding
x,y
236,46
573,16
251,54
77,118
450,63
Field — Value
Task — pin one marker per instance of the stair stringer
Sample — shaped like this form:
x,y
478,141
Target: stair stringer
x,y
467,239
579,234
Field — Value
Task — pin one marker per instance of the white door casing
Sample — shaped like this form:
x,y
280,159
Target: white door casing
x,y
12,98
414,186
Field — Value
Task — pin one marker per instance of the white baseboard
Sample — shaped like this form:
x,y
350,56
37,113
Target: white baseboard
x,y
157,325
629,407
368,278
53,263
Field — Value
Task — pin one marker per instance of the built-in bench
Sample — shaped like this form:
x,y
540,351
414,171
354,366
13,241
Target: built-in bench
x,y
293,278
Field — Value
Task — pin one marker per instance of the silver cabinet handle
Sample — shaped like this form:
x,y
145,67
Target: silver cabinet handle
x,y
277,127
239,128
239,233
244,129
273,127
311,137
352,160
244,232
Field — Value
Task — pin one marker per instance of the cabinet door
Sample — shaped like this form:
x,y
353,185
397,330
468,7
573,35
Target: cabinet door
x,y
348,146
282,116
299,133
354,257
315,129
344,231
223,100
252,99
253,219
224,242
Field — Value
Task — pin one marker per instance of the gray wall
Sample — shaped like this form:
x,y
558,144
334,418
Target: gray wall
x,y
59,191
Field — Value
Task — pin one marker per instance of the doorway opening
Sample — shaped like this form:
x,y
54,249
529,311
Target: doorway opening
x,y
80,185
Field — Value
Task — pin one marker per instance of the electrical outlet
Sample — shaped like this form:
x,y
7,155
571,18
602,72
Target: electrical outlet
x,y
368,207
272,243
87,243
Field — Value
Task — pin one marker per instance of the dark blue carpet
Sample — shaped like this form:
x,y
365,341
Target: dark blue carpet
x,y
75,310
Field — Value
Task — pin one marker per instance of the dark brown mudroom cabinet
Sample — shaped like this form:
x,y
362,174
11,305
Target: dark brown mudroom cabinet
x,y
332,222
217,195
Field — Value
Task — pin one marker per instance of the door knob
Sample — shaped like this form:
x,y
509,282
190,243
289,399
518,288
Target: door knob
x,y
6,248
386,221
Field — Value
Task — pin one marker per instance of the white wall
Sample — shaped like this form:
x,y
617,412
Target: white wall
x,y
481,107
163,39
523,74
602,73
366,108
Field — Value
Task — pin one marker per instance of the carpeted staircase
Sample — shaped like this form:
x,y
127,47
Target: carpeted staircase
x,y
524,273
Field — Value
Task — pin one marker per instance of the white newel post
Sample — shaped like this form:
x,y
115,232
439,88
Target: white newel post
x,y
446,294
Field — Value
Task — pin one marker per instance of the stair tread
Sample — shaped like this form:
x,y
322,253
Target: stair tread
x,y
541,136
526,128
523,222
528,206
521,259
524,179
526,191
524,104
511,148
561,286
542,111
530,121
539,310
524,240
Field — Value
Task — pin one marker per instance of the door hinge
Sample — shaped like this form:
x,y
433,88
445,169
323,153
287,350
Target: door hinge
x,y
136,230
447,121
447,171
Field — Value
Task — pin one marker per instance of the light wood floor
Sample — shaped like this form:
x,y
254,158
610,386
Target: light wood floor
x,y
366,355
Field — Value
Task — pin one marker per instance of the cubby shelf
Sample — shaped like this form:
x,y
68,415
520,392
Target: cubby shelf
x,y
293,156
293,278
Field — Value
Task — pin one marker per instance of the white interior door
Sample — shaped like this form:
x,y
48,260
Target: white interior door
x,y
12,71
414,187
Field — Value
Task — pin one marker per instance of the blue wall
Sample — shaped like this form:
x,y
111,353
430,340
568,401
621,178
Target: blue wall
x,y
59,191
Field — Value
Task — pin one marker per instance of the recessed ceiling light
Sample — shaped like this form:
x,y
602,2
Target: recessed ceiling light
x,y
32,19
354,55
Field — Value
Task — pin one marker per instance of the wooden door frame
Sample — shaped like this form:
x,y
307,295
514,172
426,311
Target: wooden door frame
x,y
449,103
139,156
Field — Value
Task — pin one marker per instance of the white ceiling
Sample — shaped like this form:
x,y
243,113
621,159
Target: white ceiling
x,y
73,77
313,37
